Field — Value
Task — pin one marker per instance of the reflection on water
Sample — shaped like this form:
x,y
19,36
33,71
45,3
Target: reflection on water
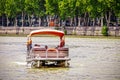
x,y
91,59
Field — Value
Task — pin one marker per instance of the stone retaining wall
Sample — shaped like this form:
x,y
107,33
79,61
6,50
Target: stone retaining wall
x,y
90,31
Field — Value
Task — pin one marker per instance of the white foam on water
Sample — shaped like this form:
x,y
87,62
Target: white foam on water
x,y
20,63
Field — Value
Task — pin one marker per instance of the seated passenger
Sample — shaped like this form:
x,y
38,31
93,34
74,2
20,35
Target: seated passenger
x,y
36,46
62,43
46,46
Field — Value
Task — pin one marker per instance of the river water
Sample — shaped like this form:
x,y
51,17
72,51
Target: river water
x,y
91,59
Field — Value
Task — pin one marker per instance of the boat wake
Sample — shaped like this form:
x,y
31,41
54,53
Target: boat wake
x,y
20,63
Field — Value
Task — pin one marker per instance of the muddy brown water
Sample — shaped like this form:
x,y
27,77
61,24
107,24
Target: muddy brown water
x,y
91,59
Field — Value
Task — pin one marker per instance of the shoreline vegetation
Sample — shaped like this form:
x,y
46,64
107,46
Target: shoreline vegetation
x,y
69,36
59,13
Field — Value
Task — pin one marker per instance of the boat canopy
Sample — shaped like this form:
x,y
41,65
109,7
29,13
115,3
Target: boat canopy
x,y
47,32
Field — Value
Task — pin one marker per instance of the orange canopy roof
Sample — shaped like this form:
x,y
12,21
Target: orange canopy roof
x,y
48,32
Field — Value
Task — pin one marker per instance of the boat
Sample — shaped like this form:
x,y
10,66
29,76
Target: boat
x,y
42,55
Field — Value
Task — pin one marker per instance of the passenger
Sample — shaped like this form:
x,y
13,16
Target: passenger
x,y
36,46
29,44
46,46
62,43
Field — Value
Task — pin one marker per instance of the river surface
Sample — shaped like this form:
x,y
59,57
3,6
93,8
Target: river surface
x,y
91,59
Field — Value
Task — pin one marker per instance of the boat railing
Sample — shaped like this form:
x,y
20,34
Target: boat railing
x,y
52,50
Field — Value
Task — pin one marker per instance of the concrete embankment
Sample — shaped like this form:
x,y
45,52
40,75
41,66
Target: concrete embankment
x,y
88,31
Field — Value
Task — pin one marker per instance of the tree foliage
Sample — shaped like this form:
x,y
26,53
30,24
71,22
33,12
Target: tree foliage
x,y
61,8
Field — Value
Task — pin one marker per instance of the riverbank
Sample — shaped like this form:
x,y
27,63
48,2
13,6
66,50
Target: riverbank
x,y
69,36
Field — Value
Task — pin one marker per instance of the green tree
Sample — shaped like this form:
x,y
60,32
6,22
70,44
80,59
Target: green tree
x,y
80,11
67,8
52,7
20,9
83,8
10,9
108,7
30,6
2,9
40,10
34,8
116,10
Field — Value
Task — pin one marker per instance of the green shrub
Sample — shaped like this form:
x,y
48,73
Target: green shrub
x,y
105,31
65,31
